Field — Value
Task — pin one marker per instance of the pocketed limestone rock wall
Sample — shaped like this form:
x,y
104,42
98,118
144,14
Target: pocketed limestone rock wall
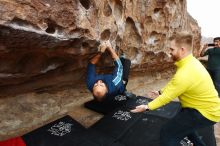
x,y
45,46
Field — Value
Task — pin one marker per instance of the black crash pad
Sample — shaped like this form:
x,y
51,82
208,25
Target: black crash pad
x,y
116,123
167,111
67,132
96,138
62,132
106,106
145,132
129,129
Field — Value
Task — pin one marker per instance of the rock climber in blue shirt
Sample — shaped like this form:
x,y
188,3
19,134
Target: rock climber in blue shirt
x,y
105,85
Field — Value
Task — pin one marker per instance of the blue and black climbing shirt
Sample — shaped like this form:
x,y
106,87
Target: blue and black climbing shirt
x,y
113,81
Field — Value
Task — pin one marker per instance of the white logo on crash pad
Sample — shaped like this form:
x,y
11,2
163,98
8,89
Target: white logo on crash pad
x,y
122,115
141,101
120,98
60,129
186,142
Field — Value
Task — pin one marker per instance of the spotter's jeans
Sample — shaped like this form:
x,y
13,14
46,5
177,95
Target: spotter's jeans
x,y
185,123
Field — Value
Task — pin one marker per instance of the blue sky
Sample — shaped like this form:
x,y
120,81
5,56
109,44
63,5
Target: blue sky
x,y
207,14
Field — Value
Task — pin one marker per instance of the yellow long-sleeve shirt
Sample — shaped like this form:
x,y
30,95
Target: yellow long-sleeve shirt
x,y
193,86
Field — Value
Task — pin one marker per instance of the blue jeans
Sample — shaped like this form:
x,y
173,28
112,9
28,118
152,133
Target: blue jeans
x,y
215,75
185,123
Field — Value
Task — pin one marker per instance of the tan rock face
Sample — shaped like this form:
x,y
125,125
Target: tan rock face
x,y
46,44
